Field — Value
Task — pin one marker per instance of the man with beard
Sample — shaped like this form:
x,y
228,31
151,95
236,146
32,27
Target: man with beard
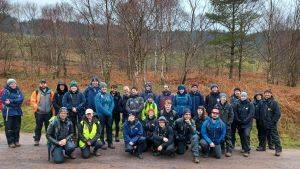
x,y
212,99
197,99
135,103
117,110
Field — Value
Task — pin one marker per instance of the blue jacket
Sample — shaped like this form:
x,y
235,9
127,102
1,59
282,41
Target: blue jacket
x,y
197,100
104,104
146,93
67,102
16,99
213,132
132,132
181,102
90,93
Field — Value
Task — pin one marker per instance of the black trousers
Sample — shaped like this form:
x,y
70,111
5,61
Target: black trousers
x,y
167,150
245,138
116,120
261,134
106,122
138,147
234,128
12,129
273,133
40,119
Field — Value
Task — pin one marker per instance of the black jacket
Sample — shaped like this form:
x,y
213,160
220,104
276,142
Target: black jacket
x,y
117,100
58,96
227,114
149,126
270,113
160,133
171,117
211,100
59,130
182,130
244,112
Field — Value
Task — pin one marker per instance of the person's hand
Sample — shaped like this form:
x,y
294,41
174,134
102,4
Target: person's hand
x,y
212,145
74,110
165,139
7,101
89,143
131,143
62,142
188,121
159,148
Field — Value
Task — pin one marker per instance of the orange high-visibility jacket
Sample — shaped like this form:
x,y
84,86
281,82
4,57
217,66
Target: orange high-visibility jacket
x,y
35,100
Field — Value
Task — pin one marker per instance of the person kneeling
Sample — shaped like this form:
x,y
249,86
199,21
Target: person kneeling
x,y
135,143
163,138
59,135
213,133
89,131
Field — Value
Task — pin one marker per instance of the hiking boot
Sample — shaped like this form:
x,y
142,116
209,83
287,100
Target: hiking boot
x,y
271,148
12,146
155,154
18,144
36,143
277,153
111,146
117,139
72,156
104,147
196,160
260,149
242,151
228,154
97,153
139,156
246,154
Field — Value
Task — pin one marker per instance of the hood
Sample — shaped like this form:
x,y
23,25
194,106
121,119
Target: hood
x,y
94,78
58,90
10,89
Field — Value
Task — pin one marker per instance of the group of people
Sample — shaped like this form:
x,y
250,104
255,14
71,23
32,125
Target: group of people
x,y
165,124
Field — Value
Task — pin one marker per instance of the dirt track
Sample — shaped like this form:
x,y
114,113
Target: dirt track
x,y
28,156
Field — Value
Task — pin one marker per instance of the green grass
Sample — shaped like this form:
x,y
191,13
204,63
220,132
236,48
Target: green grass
x,y
288,141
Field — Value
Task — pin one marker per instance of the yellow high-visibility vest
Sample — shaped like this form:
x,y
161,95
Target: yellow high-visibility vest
x,y
87,134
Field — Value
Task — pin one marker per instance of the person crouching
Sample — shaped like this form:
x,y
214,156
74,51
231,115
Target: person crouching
x,y
89,131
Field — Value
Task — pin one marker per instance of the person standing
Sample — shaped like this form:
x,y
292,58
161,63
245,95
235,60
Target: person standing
x,y
235,99
61,89
197,99
135,104
104,103
117,110
12,100
90,93
125,97
148,91
212,99
41,99
244,112
165,95
182,101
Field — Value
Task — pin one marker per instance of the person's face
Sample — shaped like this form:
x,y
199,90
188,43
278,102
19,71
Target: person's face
x,y
134,91
214,115
151,114
162,124
62,87
166,88
126,90
223,99
95,83
258,97
104,89
131,118
73,88
148,88
13,85
181,91
237,93
168,107
267,95
187,116
194,89
200,112
89,116
43,85
243,98
114,90
215,89
150,100
63,115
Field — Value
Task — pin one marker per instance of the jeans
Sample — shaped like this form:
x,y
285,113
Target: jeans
x,y
207,149
40,119
86,151
12,129
245,138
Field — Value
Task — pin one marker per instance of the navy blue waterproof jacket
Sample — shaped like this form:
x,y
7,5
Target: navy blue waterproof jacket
x,y
16,99
80,106
213,132
90,93
132,132
269,113
181,102
145,95
211,100
197,100
244,112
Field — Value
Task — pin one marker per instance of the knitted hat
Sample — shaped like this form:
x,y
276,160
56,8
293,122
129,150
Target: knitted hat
x,y
10,81
186,110
43,81
268,91
223,95
63,109
73,83
244,94
162,119
213,85
102,84
151,95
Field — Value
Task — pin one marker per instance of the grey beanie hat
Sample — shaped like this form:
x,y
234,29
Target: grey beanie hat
x,y
223,95
162,118
244,94
10,81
